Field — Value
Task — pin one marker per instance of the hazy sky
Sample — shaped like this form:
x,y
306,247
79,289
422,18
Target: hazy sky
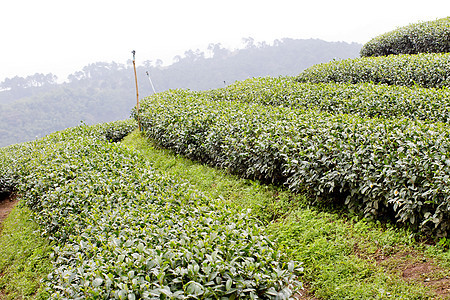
x,y
62,36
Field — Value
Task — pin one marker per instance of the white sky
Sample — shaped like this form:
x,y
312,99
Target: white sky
x,y
62,36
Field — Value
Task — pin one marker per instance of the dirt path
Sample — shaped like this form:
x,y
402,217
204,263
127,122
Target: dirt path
x,y
6,206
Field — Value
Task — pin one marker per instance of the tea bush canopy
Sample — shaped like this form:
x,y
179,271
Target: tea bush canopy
x,y
429,70
423,37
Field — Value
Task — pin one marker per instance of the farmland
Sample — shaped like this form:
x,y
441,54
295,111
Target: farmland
x,y
334,181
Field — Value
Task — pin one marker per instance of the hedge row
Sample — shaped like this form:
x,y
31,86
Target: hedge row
x,y
423,37
383,168
127,232
113,132
425,70
364,99
116,131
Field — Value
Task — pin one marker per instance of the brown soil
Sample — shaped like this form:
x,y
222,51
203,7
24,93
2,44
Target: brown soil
x,y
305,294
418,269
6,206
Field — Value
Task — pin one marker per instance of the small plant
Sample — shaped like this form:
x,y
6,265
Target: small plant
x,y
7,187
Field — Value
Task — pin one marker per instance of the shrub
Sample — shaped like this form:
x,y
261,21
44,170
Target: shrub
x,y
423,37
425,70
116,131
7,187
363,99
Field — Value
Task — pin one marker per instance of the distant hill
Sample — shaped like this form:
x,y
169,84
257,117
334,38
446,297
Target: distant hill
x,y
34,106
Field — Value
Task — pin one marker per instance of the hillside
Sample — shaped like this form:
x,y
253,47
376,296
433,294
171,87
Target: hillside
x,y
331,184
102,92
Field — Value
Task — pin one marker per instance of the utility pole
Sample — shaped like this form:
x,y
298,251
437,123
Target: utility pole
x,y
137,92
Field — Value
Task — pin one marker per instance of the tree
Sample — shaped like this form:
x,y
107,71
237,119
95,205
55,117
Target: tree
x,y
14,83
249,42
218,51
193,56
106,91
39,79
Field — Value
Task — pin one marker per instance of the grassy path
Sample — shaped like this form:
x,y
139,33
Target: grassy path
x,y
24,256
344,257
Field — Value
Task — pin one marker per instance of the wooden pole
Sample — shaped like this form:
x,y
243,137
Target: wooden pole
x,y
137,92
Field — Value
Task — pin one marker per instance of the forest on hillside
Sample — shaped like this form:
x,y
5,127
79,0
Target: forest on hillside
x,y
37,105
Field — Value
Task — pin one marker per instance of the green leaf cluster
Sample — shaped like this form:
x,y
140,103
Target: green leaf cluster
x,y
112,132
125,231
423,37
385,168
118,131
6,187
429,70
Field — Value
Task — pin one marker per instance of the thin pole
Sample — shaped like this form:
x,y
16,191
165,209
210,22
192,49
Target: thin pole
x,y
151,83
137,92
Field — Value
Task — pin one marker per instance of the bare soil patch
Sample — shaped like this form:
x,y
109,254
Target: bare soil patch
x,y
418,269
6,206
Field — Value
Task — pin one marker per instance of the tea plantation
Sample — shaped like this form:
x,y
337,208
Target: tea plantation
x,y
125,231
369,137
389,161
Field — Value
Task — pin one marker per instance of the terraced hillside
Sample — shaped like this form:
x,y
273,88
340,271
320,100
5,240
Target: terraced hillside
x,y
381,150
342,174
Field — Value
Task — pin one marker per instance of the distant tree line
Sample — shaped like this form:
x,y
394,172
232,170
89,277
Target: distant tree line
x,y
37,105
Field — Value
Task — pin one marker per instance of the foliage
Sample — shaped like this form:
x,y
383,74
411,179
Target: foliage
x,y
426,70
384,168
6,187
268,203
363,99
423,37
127,231
116,131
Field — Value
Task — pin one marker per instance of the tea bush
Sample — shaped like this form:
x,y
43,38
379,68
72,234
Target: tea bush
x,y
364,99
423,37
428,70
126,231
120,130
10,161
390,167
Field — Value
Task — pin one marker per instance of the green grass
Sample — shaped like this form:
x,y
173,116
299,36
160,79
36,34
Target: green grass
x,y
24,257
342,255
268,202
